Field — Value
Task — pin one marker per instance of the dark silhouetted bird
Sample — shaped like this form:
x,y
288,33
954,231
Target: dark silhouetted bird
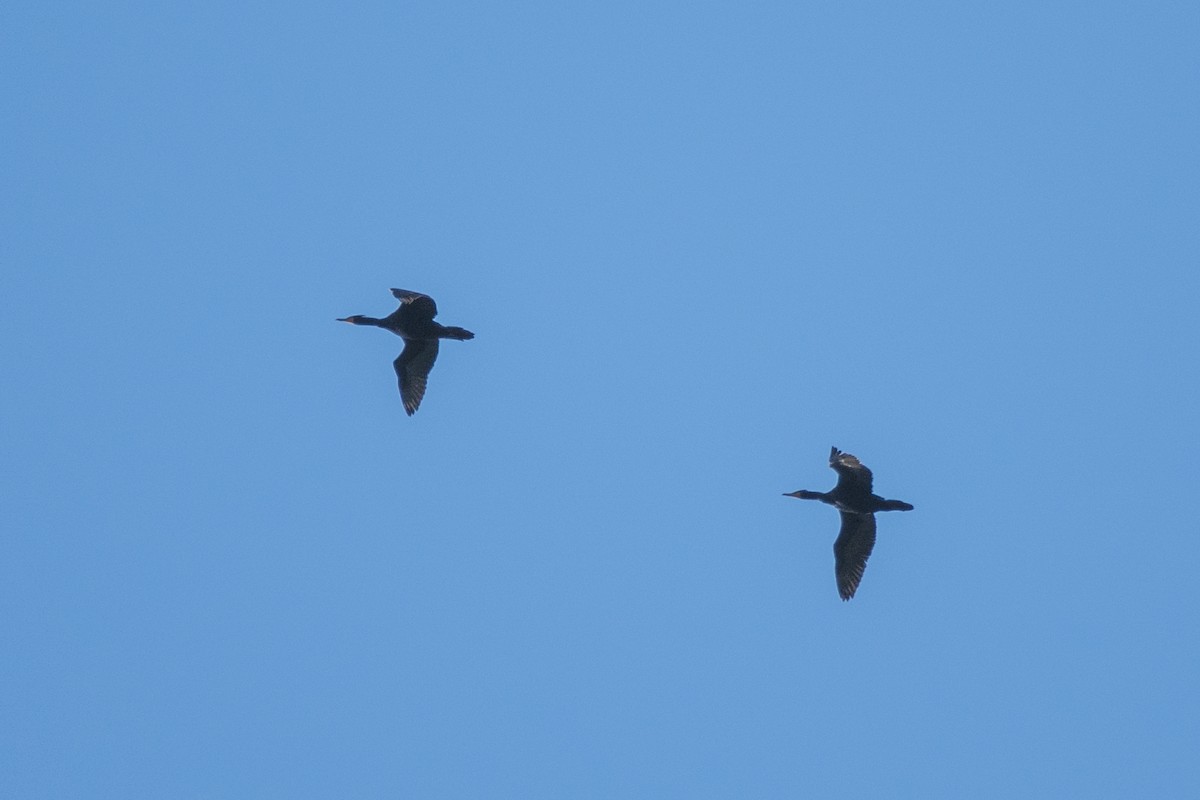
x,y
854,499
413,321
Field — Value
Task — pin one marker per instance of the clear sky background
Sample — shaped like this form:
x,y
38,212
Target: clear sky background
x,y
699,244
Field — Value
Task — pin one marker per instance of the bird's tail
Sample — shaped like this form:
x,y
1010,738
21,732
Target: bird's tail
x,y
895,505
454,332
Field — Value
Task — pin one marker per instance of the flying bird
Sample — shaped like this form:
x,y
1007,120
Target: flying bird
x,y
857,503
413,322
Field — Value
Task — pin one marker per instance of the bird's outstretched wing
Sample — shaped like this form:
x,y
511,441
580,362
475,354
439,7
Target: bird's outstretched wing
x,y
412,370
415,304
852,474
851,551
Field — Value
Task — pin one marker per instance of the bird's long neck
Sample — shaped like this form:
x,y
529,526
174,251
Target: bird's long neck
x,y
361,320
804,494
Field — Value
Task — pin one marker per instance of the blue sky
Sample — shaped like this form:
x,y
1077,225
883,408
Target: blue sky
x,y
699,244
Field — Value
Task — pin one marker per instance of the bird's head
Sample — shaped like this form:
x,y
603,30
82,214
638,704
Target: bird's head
x,y
356,319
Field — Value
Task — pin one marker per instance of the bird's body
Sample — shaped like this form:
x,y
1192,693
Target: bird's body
x,y
854,498
413,322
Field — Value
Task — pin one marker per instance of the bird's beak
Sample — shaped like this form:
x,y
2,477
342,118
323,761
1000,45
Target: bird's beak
x,y
343,319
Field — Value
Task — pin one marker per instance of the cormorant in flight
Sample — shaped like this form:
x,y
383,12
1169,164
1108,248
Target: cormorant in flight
x,y
413,321
854,499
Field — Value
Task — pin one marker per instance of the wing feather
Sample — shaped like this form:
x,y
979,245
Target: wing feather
x,y
412,370
415,305
852,473
851,551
